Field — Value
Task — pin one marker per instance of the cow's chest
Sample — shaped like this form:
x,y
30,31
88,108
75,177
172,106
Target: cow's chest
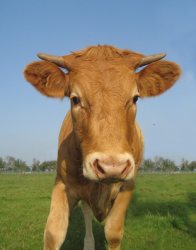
x,y
101,199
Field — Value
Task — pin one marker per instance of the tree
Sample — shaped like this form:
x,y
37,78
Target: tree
x,y
48,166
192,166
35,165
2,163
158,162
10,163
168,165
184,165
164,164
20,165
13,164
148,165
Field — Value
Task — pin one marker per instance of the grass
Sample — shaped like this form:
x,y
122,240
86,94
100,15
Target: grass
x,y
162,215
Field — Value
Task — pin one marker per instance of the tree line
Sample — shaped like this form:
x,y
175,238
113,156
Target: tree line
x,y
12,164
158,164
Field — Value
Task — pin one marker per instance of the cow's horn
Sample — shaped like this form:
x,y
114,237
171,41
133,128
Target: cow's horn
x,y
58,60
152,58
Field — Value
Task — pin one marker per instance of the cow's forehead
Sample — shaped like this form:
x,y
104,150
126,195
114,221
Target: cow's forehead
x,y
106,79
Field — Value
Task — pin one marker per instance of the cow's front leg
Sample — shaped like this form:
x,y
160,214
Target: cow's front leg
x,y
114,225
57,222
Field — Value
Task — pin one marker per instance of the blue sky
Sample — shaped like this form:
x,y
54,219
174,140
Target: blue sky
x,y
30,123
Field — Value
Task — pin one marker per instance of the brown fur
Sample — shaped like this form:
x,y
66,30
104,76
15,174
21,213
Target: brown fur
x,y
105,80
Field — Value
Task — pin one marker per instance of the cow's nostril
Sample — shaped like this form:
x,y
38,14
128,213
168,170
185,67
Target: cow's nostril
x,y
100,169
127,167
95,163
124,170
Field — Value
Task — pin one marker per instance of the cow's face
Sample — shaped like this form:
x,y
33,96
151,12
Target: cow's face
x,y
103,106
103,88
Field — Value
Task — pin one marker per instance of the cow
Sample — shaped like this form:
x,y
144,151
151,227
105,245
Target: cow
x,y
100,143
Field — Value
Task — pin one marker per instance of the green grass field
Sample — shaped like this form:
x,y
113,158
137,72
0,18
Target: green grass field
x,y
162,215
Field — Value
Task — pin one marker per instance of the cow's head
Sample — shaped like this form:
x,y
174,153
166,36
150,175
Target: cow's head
x,y
103,86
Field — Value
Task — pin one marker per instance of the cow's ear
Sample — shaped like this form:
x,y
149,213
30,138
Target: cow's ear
x,y
157,77
47,78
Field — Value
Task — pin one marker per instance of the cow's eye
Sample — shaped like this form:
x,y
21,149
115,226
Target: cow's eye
x,y
75,100
135,98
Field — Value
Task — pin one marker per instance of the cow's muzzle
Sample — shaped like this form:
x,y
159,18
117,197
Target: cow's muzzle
x,y
108,167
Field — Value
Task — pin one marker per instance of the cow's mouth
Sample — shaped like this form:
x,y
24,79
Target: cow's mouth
x,y
111,180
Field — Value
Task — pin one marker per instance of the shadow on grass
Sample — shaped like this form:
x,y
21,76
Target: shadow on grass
x,y
178,211
76,231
